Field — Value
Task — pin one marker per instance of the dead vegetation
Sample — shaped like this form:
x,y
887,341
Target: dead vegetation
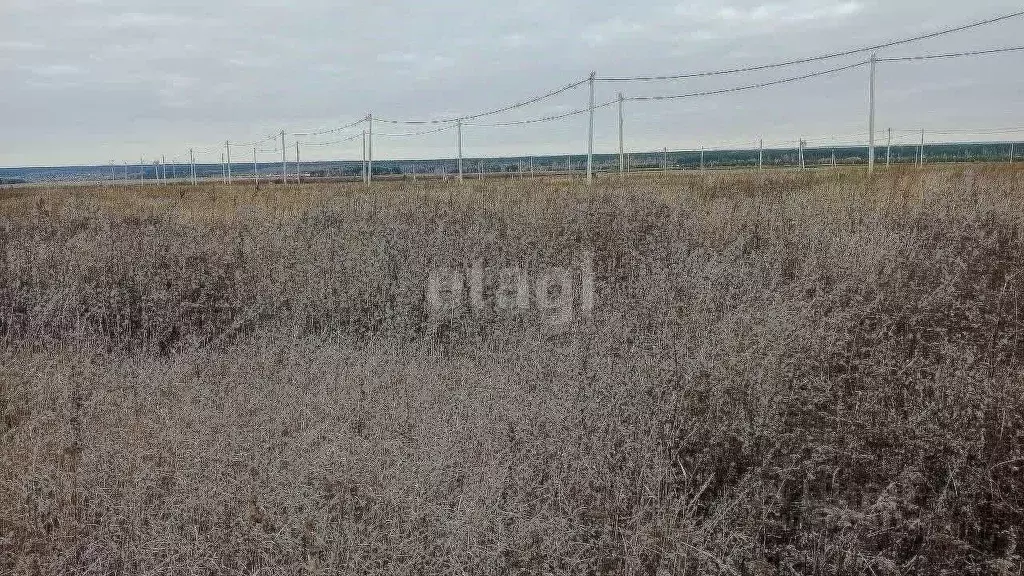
x,y
789,373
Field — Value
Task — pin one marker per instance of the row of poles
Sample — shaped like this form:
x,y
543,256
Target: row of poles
x,y
367,142
160,167
160,170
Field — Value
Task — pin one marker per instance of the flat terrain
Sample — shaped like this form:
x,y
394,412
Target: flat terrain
x,y
781,373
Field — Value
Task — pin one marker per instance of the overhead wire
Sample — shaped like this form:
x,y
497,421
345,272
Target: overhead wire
x,y
255,142
733,89
449,123
333,142
951,55
991,131
323,131
418,133
551,118
828,56
747,86
521,104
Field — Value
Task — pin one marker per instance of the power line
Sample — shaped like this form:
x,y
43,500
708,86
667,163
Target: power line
x,y
323,131
746,87
741,88
988,131
521,104
448,123
333,142
552,118
952,55
255,142
750,86
419,133
829,56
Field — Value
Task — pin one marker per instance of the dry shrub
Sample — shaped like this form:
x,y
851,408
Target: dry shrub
x,y
784,373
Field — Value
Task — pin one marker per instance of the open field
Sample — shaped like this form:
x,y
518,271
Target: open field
x,y
782,373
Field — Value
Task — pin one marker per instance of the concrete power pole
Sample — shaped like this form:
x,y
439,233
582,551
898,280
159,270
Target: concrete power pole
x,y
871,116
284,160
369,162
460,148
363,168
920,156
590,134
163,166
888,149
255,168
227,146
760,154
1011,152
622,152
298,163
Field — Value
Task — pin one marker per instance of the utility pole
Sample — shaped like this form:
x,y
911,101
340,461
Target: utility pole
x,y
760,155
460,148
622,159
227,146
298,163
664,159
833,157
163,165
363,169
888,150
590,134
802,144
920,156
142,171
126,172
284,160
871,117
369,163
113,178
1011,152
701,158
255,169
192,161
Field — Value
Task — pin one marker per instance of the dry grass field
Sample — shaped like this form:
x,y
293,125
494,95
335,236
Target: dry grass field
x,y
783,373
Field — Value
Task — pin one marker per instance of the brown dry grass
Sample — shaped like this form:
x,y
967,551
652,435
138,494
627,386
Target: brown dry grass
x,y
789,373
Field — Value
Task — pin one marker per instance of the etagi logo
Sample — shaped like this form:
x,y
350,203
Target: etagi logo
x,y
557,293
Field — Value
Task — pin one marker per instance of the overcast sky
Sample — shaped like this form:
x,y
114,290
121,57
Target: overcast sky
x,y
93,81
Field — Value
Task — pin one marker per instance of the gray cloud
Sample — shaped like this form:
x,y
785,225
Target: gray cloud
x,y
90,82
